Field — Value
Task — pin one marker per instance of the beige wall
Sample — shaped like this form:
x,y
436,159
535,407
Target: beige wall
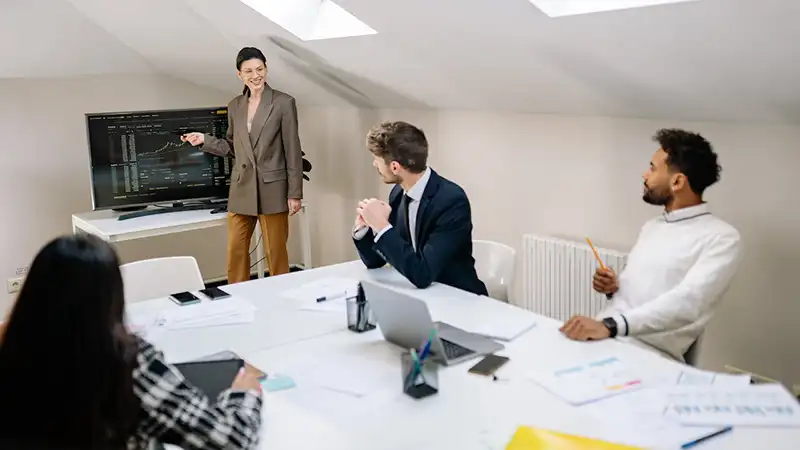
x,y
580,176
45,172
568,176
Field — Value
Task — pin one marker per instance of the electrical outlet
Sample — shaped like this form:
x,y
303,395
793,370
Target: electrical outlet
x,y
15,284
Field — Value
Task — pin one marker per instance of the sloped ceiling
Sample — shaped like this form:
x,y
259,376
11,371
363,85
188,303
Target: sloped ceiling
x,y
704,60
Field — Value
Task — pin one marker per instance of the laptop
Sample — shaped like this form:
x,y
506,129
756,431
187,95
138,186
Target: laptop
x,y
406,321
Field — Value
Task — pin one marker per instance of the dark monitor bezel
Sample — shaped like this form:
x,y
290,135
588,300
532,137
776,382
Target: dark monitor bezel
x,y
95,207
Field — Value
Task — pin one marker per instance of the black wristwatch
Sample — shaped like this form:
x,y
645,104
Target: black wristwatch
x,y
611,324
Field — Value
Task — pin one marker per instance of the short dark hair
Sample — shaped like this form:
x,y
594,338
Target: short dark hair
x,y
690,154
401,142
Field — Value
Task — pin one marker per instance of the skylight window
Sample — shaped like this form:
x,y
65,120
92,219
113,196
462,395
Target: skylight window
x,y
559,8
311,19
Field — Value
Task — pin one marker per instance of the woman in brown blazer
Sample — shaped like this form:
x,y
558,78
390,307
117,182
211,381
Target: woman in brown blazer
x,y
267,177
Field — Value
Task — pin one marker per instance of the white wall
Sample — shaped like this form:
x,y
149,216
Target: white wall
x,y
570,176
45,172
581,176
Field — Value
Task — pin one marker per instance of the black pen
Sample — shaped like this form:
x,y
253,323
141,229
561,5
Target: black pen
x,y
324,298
706,437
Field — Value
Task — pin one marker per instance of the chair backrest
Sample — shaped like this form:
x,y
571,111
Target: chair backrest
x,y
494,263
160,277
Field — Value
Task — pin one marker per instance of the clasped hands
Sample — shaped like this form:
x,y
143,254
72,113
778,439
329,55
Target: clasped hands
x,y
582,328
372,213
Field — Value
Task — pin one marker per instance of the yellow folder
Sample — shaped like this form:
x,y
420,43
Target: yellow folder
x,y
527,438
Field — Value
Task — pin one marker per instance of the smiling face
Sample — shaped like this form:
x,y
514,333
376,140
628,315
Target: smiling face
x,y
253,73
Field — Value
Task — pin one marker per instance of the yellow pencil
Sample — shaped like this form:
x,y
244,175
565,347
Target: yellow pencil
x,y
589,241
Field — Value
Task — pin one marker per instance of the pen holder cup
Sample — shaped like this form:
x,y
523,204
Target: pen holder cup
x,y
360,317
420,383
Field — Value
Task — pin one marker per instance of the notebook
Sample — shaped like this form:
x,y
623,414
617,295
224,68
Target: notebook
x,y
528,438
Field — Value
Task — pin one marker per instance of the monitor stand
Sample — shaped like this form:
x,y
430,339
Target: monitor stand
x,y
129,208
215,207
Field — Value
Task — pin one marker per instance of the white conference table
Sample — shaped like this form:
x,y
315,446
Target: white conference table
x,y
469,412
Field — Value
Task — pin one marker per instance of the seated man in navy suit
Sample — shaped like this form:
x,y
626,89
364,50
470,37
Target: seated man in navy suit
x,y
425,230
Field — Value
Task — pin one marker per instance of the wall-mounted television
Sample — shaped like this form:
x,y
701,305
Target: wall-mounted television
x,y
137,158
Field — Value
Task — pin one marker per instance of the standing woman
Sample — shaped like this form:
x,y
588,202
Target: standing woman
x,y
267,178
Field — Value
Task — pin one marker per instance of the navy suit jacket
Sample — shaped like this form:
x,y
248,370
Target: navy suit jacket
x,y
444,239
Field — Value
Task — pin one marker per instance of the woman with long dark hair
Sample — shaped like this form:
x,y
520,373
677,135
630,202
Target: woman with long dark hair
x,y
267,177
72,376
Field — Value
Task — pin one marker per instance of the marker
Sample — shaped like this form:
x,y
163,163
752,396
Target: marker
x,y
414,355
427,347
707,437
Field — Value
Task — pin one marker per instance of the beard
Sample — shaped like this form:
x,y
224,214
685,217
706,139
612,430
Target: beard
x,y
657,197
390,178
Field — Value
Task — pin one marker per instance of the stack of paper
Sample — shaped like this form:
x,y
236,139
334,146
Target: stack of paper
x,y
766,405
151,325
147,324
229,311
639,419
345,386
480,315
587,382
350,375
697,377
326,294
682,409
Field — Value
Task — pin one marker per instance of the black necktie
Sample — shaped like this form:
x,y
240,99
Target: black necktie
x,y
403,218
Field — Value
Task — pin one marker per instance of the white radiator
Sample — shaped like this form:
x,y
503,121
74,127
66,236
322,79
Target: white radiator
x,y
557,277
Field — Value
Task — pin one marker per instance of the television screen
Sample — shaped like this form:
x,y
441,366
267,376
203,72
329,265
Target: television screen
x,y
137,158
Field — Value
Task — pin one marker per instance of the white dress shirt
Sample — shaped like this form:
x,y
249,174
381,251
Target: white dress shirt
x,y
676,273
415,195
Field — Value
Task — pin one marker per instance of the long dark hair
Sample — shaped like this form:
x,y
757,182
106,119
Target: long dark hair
x,y
246,54
66,358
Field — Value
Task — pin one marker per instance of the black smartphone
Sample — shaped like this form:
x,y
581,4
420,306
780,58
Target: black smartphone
x,y
214,293
488,365
184,298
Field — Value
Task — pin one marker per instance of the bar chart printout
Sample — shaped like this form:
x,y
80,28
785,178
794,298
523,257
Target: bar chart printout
x,y
764,405
589,381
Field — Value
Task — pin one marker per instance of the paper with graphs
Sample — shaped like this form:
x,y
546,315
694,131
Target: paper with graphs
x,y
764,405
587,382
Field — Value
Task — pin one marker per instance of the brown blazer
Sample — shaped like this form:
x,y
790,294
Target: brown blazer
x,y
269,161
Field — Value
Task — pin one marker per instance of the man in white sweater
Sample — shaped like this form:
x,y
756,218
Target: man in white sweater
x,y
682,263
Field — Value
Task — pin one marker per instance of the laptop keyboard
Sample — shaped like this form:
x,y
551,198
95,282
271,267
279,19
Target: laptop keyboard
x,y
453,350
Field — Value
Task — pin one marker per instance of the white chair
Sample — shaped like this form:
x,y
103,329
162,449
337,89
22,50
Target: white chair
x,y
160,277
494,263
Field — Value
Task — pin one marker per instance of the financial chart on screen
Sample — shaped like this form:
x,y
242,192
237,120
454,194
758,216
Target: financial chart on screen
x,y
138,158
